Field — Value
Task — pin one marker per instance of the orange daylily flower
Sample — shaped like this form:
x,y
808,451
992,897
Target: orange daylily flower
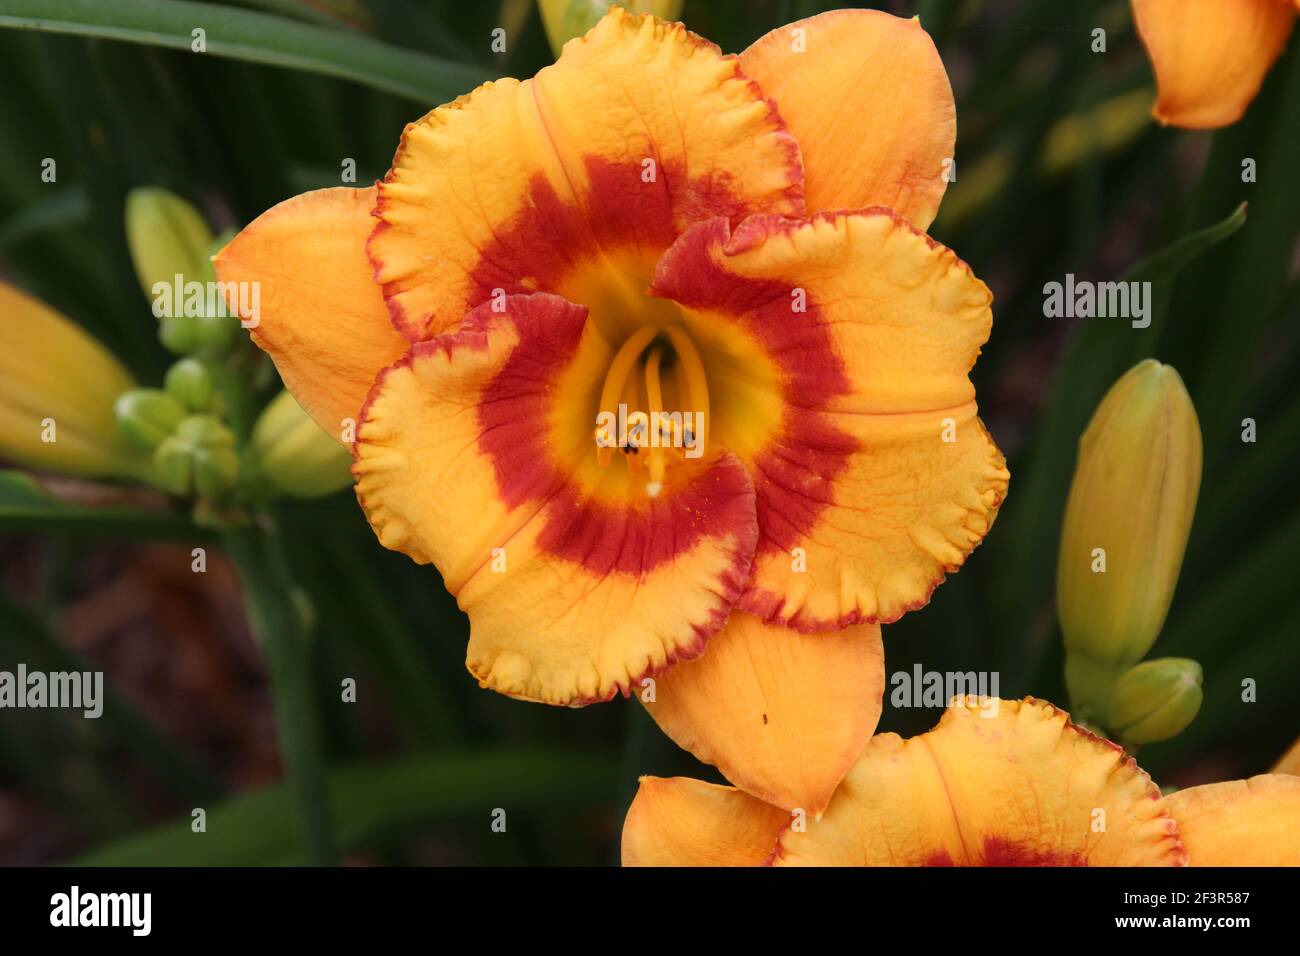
x,y
1022,787
1210,56
652,224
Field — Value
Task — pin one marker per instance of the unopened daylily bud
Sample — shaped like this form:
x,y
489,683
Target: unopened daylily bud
x,y
1155,700
57,389
566,19
167,237
216,334
179,334
145,416
296,456
1126,525
190,383
199,458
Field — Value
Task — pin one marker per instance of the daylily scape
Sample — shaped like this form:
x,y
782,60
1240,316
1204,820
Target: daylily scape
x,y
652,225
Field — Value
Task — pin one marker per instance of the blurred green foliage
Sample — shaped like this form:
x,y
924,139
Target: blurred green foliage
x,y
235,134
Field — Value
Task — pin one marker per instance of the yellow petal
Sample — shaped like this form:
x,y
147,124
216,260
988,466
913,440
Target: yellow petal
x,y
575,592
1253,822
639,129
868,99
1011,785
877,477
321,316
1210,56
783,715
684,822
57,389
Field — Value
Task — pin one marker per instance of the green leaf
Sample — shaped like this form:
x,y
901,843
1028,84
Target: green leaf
x,y
1236,304
68,207
373,800
327,14
1170,260
255,37
27,506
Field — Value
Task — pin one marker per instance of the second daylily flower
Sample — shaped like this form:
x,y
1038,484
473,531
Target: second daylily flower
x,y
1025,787
649,223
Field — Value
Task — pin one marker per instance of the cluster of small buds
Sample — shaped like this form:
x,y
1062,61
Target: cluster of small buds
x,y
189,427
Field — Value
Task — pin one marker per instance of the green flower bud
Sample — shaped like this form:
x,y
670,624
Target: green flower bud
x,y
205,431
179,334
215,471
1155,700
199,457
167,237
190,383
57,389
296,456
1125,530
173,463
216,334
145,416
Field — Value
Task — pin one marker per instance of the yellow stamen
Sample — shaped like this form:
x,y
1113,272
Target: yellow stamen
x,y
697,386
616,378
633,398
621,367
655,394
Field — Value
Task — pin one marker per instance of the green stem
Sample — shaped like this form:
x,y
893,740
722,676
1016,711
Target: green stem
x,y
282,632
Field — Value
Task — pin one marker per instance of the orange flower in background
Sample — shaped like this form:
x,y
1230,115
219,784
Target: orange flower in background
x,y
1015,785
653,225
1210,56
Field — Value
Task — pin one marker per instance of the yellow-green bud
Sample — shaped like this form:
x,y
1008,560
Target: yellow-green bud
x,y
199,457
1126,525
167,236
296,456
57,389
179,334
216,334
190,383
1155,700
215,471
566,19
145,416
